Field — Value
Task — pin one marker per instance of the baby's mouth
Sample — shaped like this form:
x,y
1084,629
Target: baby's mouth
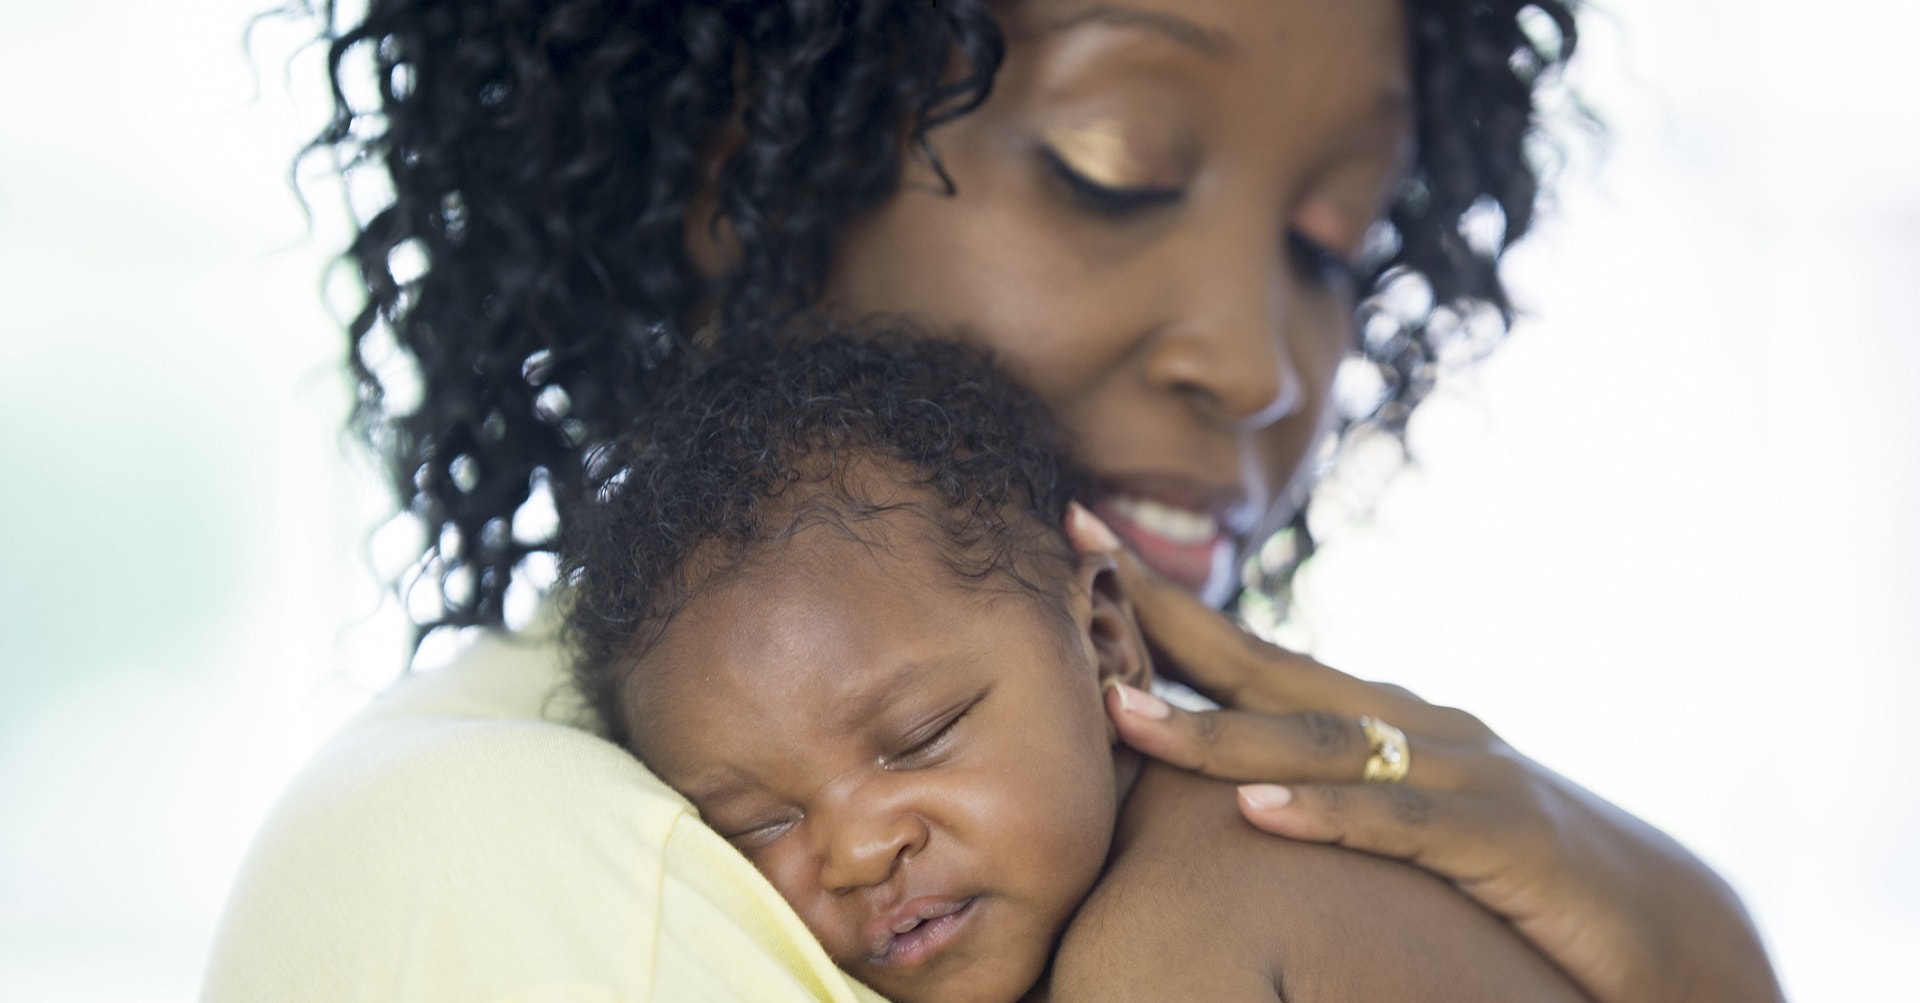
x,y
1187,546
919,933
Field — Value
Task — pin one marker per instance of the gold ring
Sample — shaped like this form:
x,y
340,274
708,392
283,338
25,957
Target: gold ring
x,y
1389,759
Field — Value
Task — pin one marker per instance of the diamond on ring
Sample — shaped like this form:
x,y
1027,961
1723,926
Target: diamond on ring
x,y
1389,758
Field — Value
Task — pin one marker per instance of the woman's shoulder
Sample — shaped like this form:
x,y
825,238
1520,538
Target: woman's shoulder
x,y
426,844
460,840
1195,894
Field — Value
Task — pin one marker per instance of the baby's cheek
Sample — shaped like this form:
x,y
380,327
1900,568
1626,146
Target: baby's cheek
x,y
1083,811
784,866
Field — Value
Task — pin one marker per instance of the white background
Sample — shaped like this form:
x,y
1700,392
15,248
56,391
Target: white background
x,y
1662,540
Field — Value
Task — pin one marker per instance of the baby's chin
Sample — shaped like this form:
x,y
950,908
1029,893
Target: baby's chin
x,y
992,983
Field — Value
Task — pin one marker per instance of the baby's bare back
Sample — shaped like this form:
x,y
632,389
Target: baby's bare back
x,y
1199,905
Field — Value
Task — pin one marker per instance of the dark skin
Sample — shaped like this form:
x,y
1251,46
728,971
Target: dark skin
x,y
1155,241
897,750
921,768
1262,919
1463,778
1151,215
1197,904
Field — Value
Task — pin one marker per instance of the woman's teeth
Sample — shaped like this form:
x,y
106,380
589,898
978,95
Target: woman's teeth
x,y
1176,525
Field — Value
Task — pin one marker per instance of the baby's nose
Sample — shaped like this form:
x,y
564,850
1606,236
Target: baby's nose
x,y
866,847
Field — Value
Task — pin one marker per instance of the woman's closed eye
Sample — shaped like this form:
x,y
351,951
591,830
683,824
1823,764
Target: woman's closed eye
x,y
1319,263
1314,260
1103,199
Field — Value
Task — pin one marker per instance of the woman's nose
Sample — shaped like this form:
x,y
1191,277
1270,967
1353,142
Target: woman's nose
x,y
1226,347
866,843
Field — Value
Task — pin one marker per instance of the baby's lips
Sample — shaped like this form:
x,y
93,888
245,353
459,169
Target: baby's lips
x,y
905,917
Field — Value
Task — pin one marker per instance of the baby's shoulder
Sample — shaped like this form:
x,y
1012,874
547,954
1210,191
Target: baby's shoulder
x,y
1197,904
1160,924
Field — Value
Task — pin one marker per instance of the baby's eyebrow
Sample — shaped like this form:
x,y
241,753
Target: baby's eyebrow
x,y
722,783
864,704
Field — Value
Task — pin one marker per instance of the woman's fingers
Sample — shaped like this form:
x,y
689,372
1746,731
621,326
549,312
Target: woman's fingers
x,y
1196,644
1447,833
1199,646
1256,746
1183,630
1600,893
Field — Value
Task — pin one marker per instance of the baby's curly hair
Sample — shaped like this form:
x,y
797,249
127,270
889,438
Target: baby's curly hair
x,y
786,432
530,271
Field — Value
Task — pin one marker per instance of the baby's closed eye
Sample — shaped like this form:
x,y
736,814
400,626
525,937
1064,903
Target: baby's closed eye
x,y
749,831
924,744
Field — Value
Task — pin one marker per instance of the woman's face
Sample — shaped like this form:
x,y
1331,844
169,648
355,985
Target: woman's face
x,y
1154,217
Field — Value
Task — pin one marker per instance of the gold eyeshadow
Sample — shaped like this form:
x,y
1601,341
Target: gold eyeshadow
x,y
1099,152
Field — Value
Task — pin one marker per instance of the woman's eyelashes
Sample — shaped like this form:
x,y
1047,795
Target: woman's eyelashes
x,y
1319,263
1104,199
1314,261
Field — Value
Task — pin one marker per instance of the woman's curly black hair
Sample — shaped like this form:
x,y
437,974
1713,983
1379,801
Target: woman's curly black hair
x,y
530,271
758,445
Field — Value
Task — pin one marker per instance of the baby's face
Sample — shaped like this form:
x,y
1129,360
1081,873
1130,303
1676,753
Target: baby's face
x,y
923,769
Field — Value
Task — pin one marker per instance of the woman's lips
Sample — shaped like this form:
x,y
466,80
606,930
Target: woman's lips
x,y
1186,546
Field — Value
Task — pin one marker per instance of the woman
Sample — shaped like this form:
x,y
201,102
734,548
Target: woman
x,y
1163,215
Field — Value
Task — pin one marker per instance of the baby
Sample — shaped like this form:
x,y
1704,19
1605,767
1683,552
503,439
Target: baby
x,y
825,593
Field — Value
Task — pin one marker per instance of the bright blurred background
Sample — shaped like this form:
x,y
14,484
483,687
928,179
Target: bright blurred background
x,y
1663,540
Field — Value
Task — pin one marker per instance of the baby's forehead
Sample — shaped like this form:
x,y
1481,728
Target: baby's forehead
x,y
847,567
856,630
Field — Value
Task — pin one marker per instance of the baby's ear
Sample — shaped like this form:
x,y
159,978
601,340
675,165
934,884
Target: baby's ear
x,y
1119,649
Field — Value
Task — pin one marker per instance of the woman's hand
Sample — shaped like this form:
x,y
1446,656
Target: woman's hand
x,y
1621,907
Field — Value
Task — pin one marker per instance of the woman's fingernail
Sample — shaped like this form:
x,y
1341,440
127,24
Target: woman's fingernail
x,y
1261,797
1090,529
1140,703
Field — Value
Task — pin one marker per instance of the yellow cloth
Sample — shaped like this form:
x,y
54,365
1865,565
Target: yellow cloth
x,y
458,842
